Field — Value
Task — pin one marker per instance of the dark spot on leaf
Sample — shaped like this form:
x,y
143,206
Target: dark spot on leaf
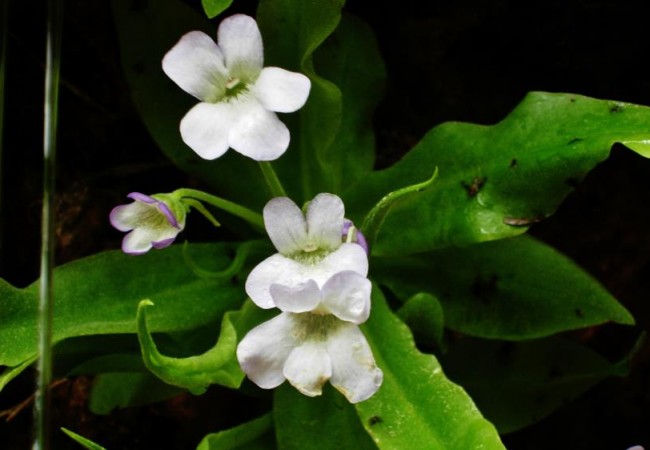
x,y
484,288
616,108
513,163
575,140
578,312
572,99
475,186
374,420
572,181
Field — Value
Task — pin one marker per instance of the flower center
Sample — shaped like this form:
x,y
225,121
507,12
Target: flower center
x,y
234,87
314,326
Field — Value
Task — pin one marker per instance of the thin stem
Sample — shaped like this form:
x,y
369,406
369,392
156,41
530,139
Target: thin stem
x,y
4,12
272,180
226,205
46,297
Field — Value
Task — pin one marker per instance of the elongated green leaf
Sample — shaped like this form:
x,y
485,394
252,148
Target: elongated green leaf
x,y
417,406
217,365
254,435
497,180
145,34
513,289
304,423
213,8
517,384
84,442
99,295
126,389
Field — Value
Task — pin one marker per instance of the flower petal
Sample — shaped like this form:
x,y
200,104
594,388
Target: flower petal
x,y
264,350
196,65
354,371
276,269
325,221
205,128
300,298
127,217
258,133
280,90
241,42
347,296
308,368
285,225
346,257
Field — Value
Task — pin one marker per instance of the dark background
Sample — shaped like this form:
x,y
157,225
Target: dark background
x,y
467,60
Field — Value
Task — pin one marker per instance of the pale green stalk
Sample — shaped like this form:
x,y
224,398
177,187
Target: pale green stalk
x,y
226,205
46,297
272,180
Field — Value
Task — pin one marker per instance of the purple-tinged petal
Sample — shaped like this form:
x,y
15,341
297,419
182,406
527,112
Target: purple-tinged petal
x,y
163,243
280,90
276,269
354,371
264,350
241,43
139,196
196,65
347,296
300,298
285,225
308,368
358,237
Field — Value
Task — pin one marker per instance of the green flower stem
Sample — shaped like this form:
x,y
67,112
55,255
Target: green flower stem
x,y
46,297
272,180
226,205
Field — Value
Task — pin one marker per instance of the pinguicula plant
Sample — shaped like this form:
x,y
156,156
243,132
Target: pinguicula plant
x,y
368,291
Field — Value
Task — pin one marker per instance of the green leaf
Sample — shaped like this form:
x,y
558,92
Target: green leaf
x,y
213,8
517,384
217,365
292,31
424,315
511,289
254,435
126,389
497,180
85,443
98,295
417,406
320,423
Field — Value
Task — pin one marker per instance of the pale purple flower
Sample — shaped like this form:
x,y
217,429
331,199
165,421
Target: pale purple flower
x,y
352,234
316,338
239,97
149,222
309,247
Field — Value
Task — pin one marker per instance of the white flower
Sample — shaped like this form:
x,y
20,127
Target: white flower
x,y
150,222
238,96
315,339
309,247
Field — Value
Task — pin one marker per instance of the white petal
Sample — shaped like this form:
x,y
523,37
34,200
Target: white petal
x,y
354,371
347,296
346,257
205,128
264,350
241,42
300,298
325,221
127,217
196,64
280,90
258,133
285,225
275,269
308,368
